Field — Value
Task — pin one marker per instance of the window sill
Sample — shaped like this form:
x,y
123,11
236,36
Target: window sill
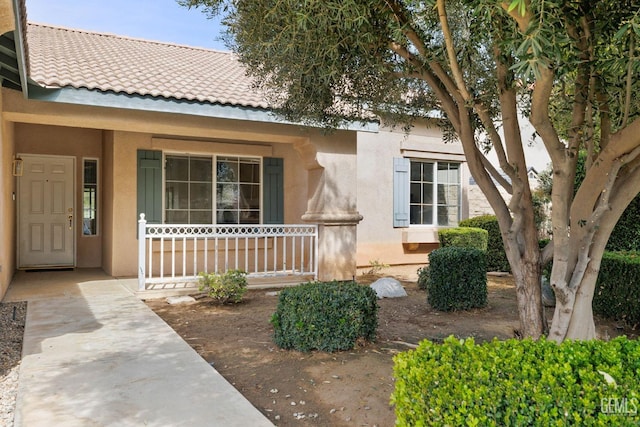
x,y
420,235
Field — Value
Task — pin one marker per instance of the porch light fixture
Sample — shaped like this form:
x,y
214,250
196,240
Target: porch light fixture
x,y
17,166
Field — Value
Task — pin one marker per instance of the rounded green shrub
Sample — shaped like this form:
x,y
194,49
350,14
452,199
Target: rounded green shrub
x,y
496,256
463,237
457,279
518,383
327,316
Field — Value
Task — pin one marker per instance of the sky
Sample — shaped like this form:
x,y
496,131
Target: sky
x,y
157,20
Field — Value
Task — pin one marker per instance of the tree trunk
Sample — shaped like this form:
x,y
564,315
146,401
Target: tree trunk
x,y
581,325
529,297
573,317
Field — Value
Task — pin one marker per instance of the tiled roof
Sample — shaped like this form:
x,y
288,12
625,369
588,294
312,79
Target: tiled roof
x,y
60,57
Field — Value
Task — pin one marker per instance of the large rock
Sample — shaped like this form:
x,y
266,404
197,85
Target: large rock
x,y
185,299
388,287
548,296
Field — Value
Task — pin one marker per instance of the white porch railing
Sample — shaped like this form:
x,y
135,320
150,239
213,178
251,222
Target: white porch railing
x,y
176,253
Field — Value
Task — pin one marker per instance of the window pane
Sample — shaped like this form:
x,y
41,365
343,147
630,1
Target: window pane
x,y
250,172
201,169
427,215
177,217
227,171
427,194
442,194
416,171
90,171
177,168
443,215
90,198
427,172
250,196
414,194
453,195
200,197
443,172
238,190
227,217
249,217
454,173
227,196
200,217
176,195
415,214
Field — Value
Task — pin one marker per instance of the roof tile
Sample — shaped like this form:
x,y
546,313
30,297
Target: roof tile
x,y
60,57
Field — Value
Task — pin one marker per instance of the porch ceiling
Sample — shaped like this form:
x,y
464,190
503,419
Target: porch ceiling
x,y
9,70
13,66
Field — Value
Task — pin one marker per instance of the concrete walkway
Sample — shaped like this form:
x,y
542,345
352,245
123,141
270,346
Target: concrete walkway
x,y
95,355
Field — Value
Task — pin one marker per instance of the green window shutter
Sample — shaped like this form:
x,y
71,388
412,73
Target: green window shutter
x,y
401,167
273,190
150,185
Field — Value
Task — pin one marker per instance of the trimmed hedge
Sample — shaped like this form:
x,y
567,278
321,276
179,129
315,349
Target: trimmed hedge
x,y
456,279
496,256
327,316
463,237
518,383
617,293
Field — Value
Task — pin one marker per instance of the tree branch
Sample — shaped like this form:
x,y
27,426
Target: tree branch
x,y
451,53
540,116
629,82
496,175
522,21
605,114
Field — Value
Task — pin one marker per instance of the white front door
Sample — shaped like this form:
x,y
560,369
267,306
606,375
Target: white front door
x,y
46,217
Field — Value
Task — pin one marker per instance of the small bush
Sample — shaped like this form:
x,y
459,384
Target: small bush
x,y
457,279
463,237
423,277
617,292
228,287
376,267
518,383
327,316
496,256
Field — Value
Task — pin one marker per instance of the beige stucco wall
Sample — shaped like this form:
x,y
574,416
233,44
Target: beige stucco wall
x,y
7,16
108,234
378,240
7,207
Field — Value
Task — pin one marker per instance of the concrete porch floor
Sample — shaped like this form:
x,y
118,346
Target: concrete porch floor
x,y
94,354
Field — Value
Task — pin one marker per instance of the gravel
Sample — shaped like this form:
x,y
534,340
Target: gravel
x,y
12,320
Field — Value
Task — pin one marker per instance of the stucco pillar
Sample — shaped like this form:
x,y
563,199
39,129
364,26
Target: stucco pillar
x,y
331,165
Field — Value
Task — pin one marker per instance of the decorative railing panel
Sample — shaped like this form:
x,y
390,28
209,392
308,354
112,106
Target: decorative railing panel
x,y
175,253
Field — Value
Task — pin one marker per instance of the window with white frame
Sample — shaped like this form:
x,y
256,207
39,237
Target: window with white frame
x,y
90,197
426,192
237,190
189,190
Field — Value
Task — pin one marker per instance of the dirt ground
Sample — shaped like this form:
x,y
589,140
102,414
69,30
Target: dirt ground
x,y
349,388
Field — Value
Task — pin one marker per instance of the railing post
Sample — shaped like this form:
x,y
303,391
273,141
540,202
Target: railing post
x,y
142,238
316,248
